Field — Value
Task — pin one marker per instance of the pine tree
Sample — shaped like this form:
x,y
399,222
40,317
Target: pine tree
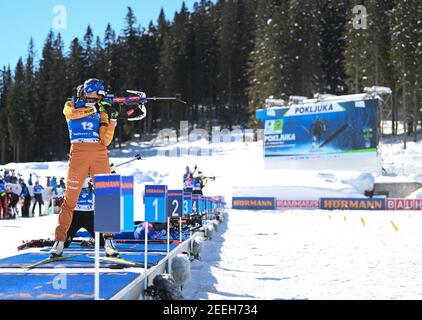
x,y
204,58
162,29
111,58
333,26
307,72
88,53
130,64
75,67
98,59
236,27
269,67
149,59
174,71
22,108
5,86
355,54
406,55
52,95
31,111
166,65
377,45
57,99
228,44
131,51
17,112
181,36
44,79
246,27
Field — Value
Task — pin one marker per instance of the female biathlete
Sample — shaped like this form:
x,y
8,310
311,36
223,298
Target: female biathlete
x,y
91,130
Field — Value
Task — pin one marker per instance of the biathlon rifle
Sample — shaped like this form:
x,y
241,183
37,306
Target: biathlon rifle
x,y
133,108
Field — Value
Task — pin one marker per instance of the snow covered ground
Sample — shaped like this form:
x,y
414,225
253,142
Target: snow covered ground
x,y
311,255
275,255
13,232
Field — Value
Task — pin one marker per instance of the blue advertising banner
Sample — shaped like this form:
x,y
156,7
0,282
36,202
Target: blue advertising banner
x,y
108,205
253,203
155,203
324,129
187,203
128,203
353,203
175,203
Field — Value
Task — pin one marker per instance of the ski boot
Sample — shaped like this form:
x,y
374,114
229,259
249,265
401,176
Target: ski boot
x,y
57,249
109,248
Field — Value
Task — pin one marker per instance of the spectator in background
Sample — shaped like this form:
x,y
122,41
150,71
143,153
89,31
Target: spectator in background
x,y
6,176
30,179
13,179
26,200
38,189
188,179
48,182
12,201
61,184
3,200
54,185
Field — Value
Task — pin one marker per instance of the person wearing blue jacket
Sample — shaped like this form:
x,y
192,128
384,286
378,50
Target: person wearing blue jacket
x,y
54,185
27,200
6,176
38,189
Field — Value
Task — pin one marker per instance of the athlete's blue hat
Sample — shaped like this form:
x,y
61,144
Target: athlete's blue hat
x,y
94,85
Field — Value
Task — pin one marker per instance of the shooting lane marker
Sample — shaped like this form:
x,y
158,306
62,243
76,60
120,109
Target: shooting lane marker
x,y
394,225
155,212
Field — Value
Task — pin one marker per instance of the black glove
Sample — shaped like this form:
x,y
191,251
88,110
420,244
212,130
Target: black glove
x,y
113,111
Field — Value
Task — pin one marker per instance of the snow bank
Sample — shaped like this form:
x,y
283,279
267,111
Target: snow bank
x,y
363,182
415,195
